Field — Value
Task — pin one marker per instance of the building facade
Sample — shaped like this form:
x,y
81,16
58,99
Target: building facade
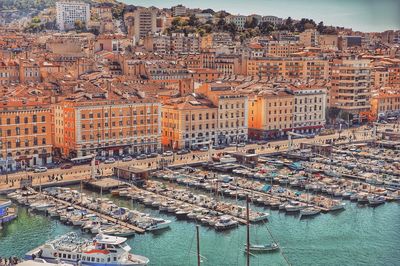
x,y
25,135
70,12
107,128
351,85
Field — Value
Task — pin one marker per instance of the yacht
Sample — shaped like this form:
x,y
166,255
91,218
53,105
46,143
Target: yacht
x,y
309,211
103,250
158,224
225,222
376,200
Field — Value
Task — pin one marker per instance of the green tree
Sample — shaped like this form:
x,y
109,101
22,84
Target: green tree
x,y
79,25
266,27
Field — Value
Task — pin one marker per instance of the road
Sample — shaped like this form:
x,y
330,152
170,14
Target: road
x,y
80,172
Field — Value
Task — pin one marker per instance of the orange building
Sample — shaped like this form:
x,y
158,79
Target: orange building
x,y
188,122
386,102
270,114
289,68
107,127
25,135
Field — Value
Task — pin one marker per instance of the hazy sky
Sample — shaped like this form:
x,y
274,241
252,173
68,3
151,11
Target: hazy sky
x,y
363,15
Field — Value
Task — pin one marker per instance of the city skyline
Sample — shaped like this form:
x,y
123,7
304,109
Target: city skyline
x,y
360,15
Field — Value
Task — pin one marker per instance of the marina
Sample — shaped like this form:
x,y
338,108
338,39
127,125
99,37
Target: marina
x,y
282,193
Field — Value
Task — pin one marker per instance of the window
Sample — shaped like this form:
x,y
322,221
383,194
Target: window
x,y
35,129
8,121
17,120
43,129
26,120
43,118
34,118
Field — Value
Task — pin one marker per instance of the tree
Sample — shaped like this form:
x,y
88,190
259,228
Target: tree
x,y
251,24
304,24
79,25
193,21
320,27
208,11
266,27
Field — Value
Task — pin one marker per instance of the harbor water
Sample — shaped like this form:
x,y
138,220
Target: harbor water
x,y
357,236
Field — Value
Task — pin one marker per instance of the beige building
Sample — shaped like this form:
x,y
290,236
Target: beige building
x,y
309,109
232,112
351,85
144,22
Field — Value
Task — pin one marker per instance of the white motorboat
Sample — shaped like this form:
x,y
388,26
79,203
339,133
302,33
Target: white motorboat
x,y
158,224
309,211
376,200
225,222
259,248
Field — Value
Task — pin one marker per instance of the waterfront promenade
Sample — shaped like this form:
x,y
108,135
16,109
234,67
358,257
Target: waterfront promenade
x,y
83,172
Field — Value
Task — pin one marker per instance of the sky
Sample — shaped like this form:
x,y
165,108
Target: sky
x,y
362,15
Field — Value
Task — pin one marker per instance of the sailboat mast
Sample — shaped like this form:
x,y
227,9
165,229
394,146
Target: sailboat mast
x,y
198,245
248,232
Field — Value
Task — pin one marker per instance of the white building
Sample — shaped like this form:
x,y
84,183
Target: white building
x,y
309,109
272,19
238,20
178,11
70,12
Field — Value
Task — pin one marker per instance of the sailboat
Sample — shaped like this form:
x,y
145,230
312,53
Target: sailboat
x,y
256,247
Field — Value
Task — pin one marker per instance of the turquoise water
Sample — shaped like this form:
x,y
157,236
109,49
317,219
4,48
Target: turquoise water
x,y
356,236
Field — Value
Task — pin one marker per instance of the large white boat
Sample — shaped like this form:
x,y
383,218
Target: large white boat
x,y
225,222
104,250
158,224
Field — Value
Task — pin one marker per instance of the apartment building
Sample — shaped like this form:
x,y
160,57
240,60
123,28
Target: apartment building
x,y
270,114
25,135
351,85
189,122
386,102
9,72
309,38
238,20
216,39
178,11
232,112
107,127
70,12
289,68
309,108
144,22
282,48
272,19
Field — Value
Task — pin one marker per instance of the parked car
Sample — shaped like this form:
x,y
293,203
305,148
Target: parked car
x,y
262,142
218,147
40,169
66,166
241,144
109,161
184,151
168,153
127,159
204,149
141,157
152,155
232,144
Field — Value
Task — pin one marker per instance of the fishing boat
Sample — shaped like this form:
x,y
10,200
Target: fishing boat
x,y
103,250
